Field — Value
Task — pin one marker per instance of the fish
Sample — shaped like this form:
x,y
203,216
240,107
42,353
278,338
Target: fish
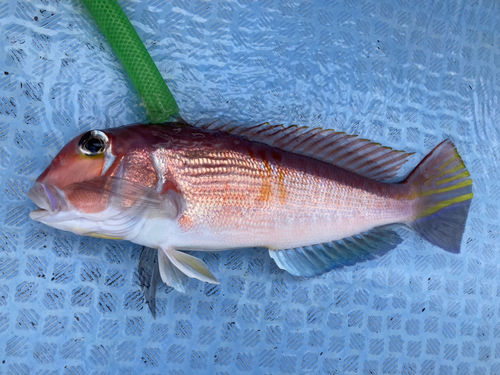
x,y
316,199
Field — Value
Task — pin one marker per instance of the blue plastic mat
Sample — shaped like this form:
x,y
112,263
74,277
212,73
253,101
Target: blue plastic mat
x,y
403,73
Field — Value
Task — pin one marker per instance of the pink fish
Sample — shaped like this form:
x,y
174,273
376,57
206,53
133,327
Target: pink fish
x,y
315,198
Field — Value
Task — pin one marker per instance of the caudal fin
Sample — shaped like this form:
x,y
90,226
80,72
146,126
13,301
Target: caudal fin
x,y
444,192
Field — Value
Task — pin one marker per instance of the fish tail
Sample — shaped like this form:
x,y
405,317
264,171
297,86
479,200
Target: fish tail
x,y
443,189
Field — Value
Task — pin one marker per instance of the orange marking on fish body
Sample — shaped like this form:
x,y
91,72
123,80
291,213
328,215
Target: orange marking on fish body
x,y
266,189
283,192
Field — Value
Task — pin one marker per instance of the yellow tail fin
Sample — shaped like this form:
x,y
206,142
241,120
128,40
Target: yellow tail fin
x,y
444,190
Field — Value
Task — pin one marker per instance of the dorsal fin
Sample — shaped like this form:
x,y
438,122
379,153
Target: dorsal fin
x,y
349,152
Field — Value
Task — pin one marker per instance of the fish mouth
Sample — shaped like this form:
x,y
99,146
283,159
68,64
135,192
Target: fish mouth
x,y
50,199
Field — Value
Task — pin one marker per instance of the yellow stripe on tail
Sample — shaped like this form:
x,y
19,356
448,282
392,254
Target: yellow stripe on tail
x,y
444,191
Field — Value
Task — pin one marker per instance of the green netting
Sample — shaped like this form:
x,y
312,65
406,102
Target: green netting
x,y
159,101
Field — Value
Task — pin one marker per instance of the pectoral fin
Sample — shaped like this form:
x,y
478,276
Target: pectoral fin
x,y
188,265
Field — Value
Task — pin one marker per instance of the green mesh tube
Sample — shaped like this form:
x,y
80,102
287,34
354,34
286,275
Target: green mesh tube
x,y
159,101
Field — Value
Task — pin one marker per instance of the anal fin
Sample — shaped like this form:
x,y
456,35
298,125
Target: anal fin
x,y
317,259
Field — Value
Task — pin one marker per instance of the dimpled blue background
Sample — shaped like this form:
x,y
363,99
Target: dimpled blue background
x,y
405,73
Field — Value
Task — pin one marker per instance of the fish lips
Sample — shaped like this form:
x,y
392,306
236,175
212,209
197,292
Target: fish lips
x,y
50,199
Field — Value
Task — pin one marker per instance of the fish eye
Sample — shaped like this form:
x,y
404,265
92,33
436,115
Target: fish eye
x,y
93,143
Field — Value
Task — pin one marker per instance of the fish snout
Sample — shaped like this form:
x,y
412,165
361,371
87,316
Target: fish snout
x,y
49,198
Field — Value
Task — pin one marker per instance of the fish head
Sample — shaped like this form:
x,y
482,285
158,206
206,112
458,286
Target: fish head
x,y
71,193
82,159
102,184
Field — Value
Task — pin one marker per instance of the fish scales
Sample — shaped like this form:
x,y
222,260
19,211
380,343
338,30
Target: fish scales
x,y
247,191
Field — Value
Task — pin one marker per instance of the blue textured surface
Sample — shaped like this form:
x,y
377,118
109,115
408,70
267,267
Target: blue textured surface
x,y
403,73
